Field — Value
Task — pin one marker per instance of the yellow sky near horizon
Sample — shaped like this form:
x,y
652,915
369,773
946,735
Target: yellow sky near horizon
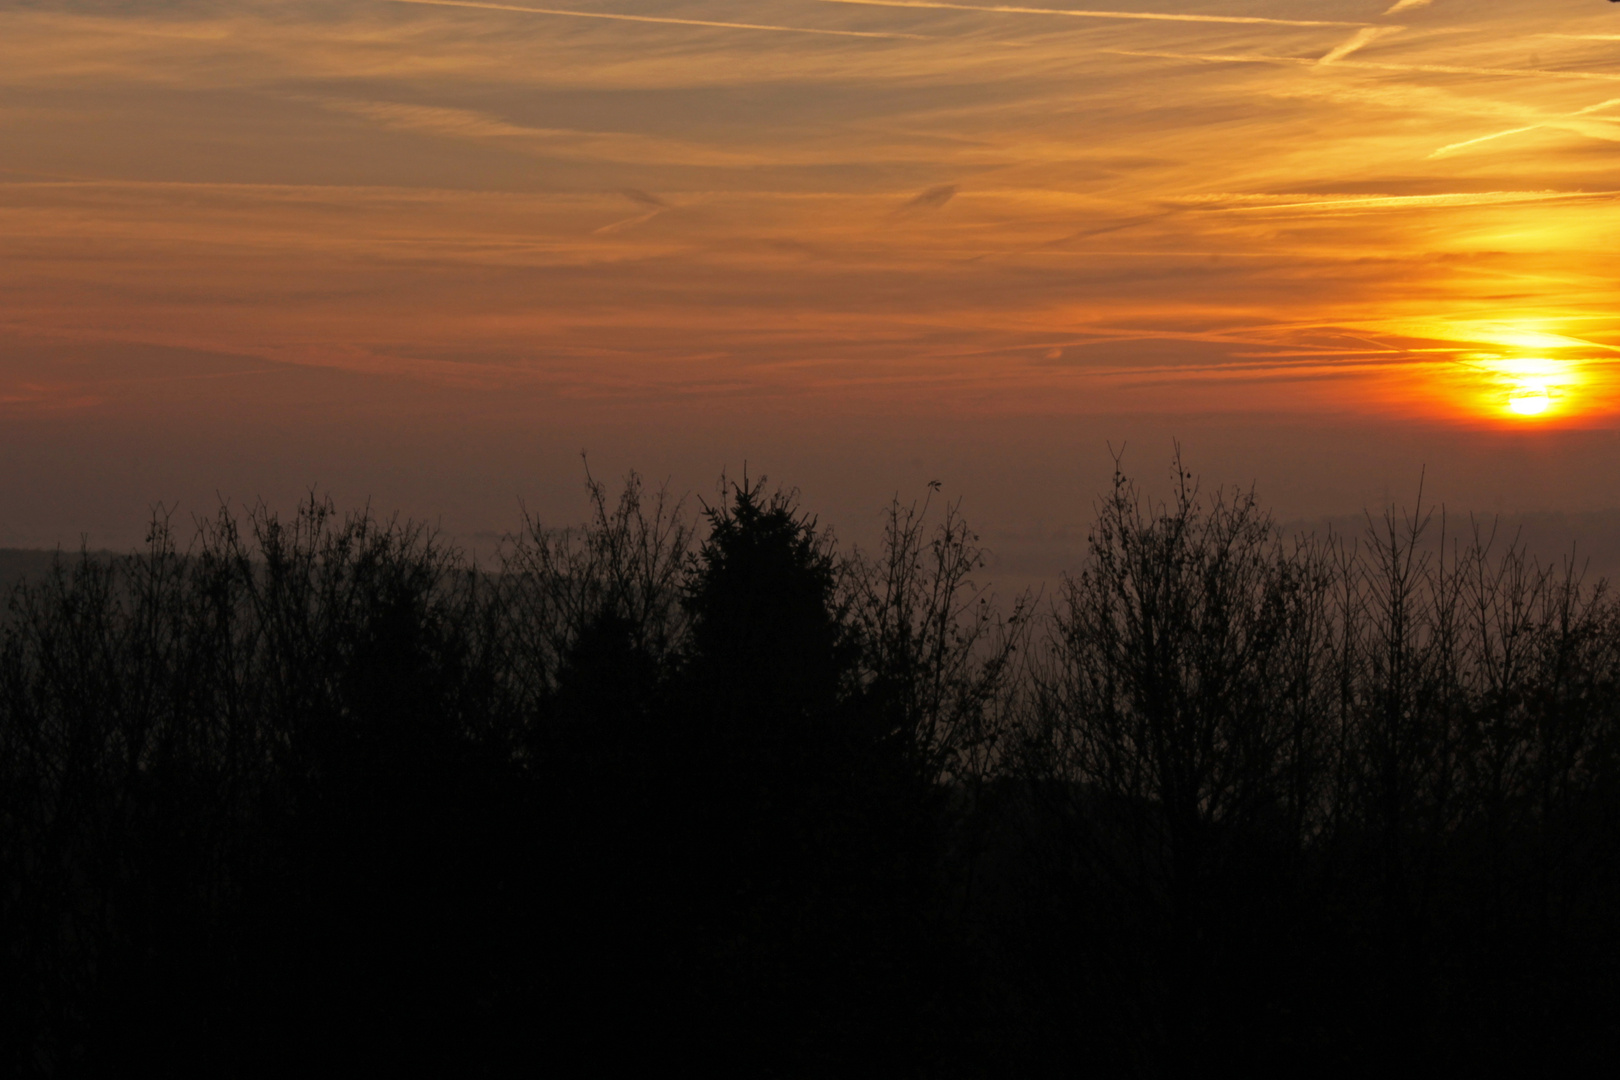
x,y
1339,208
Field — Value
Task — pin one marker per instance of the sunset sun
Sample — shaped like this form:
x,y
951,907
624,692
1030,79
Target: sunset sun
x,y
1530,402
1528,387
1535,384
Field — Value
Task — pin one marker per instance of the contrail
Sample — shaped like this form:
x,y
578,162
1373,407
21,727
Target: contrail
x,y
481,5
636,195
1363,37
1395,202
645,199
1483,138
1552,121
1247,20
1304,61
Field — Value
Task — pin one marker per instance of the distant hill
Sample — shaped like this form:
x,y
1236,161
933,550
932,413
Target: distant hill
x,y
1592,538
22,564
1037,558
18,564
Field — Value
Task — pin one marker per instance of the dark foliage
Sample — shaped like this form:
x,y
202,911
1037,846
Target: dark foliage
x,y
317,795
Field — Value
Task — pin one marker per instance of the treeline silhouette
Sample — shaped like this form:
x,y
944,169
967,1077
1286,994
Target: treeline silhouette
x,y
674,790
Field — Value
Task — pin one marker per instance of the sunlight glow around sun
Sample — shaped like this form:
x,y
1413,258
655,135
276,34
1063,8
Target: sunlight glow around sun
x,y
1535,386
1503,388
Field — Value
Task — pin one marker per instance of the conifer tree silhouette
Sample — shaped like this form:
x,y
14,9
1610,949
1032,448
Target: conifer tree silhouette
x,y
794,783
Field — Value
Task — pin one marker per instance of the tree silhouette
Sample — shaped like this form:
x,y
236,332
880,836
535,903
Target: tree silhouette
x,y
316,792
803,803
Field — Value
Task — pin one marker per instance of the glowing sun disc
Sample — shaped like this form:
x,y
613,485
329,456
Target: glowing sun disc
x,y
1529,404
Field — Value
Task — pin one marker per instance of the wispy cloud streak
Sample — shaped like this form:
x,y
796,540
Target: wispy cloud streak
x,y
1360,40
661,19
653,203
932,199
1371,65
1403,202
1608,131
1134,16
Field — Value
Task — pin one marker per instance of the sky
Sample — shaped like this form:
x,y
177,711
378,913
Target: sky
x,y
427,252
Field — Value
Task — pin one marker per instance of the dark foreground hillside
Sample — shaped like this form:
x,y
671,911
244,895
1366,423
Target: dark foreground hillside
x,y
312,794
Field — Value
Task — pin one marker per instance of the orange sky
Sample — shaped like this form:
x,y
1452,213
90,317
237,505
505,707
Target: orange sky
x,y
426,251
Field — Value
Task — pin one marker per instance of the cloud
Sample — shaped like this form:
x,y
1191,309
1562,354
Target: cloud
x,y
654,204
1359,40
617,17
932,199
1269,203
1007,9
568,143
1431,69
1405,5
1605,130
